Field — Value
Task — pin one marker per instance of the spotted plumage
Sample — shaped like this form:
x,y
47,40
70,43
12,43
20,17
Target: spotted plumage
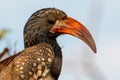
x,y
30,64
42,57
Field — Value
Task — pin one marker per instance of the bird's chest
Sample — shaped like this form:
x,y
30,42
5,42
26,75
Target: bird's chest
x,y
56,67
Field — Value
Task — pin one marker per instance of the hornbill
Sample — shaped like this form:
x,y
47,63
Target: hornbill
x,y
42,57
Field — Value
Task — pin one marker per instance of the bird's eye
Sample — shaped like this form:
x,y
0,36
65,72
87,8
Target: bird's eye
x,y
51,21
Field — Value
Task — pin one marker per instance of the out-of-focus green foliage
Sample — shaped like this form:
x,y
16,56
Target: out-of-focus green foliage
x,y
3,32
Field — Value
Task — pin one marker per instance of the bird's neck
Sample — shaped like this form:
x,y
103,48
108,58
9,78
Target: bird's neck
x,y
43,39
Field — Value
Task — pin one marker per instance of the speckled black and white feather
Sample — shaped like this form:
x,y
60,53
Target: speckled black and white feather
x,y
33,63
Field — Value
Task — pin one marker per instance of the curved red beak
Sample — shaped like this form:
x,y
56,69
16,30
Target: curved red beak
x,y
75,28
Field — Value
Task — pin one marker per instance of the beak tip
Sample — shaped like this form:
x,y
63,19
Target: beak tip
x,y
94,49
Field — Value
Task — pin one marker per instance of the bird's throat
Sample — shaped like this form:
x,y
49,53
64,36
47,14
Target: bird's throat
x,y
32,40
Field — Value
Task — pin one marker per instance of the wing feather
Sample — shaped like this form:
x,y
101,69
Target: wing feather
x,y
31,64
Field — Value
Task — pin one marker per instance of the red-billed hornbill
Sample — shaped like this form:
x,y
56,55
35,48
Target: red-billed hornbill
x,y
42,58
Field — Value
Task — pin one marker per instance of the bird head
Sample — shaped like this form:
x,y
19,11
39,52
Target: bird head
x,y
52,22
